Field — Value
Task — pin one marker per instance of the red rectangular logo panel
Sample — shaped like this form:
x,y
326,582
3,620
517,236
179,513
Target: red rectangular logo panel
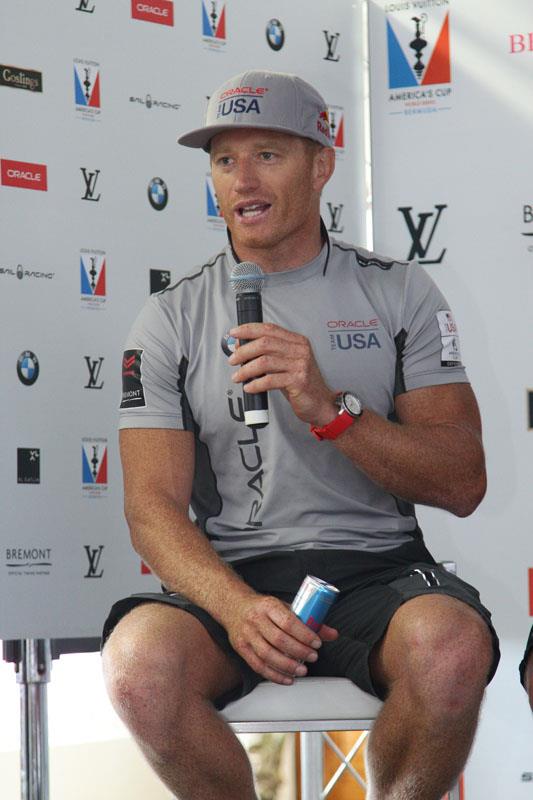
x,y
531,591
23,174
160,11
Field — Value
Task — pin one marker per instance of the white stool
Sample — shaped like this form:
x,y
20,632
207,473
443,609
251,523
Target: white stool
x,y
312,706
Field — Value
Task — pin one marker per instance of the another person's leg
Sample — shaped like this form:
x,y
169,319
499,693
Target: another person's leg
x,y
526,669
433,663
163,671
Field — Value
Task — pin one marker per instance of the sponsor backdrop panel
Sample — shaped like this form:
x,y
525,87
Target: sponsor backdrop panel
x,y
100,207
451,140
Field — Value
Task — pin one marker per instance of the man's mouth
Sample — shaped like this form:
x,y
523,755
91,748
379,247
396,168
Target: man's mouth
x,y
252,210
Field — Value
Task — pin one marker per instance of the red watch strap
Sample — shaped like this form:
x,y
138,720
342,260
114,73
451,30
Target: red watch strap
x,y
342,421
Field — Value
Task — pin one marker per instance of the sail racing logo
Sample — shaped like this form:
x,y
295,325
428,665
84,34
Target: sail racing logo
x,y
419,65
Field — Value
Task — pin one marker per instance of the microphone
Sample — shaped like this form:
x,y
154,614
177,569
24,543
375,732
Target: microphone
x,y
247,280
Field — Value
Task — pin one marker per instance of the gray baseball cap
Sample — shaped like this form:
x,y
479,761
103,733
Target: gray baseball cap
x,y
263,99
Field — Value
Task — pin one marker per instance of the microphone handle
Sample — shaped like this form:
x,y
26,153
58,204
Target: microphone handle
x,y
250,309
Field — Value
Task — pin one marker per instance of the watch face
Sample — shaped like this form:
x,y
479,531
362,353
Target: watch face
x,y
352,404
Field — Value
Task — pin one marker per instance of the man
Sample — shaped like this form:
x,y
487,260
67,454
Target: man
x,y
526,668
370,411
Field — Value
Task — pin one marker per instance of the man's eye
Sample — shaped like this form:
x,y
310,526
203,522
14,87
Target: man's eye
x,y
267,156
224,161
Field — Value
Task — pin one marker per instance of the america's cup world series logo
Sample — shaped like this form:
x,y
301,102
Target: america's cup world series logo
x,y
214,22
418,48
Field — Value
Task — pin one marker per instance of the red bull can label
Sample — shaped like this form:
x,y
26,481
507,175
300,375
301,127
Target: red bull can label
x,y
313,601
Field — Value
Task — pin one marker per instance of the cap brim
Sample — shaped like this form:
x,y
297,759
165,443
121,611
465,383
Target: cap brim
x,y
202,136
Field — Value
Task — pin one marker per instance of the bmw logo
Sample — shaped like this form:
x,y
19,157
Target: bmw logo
x,y
275,34
20,272
157,193
228,344
28,368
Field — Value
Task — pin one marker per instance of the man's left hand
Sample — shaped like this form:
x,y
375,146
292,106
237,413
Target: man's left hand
x,y
275,358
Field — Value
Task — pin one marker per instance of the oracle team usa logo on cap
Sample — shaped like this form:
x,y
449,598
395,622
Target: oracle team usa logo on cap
x,y
241,100
132,387
28,368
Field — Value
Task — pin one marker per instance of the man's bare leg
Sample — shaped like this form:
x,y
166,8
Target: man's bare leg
x,y
434,661
162,670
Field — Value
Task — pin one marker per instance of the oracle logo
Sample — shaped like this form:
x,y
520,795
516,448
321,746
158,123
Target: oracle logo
x,y
23,175
246,90
354,323
159,11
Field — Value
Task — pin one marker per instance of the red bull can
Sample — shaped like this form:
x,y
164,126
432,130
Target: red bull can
x,y
313,601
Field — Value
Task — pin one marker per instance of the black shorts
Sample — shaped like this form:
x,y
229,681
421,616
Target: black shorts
x,y
372,587
523,665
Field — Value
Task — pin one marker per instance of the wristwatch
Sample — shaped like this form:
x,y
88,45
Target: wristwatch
x,y
350,408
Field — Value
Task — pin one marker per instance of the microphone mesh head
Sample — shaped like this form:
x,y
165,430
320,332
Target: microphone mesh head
x,y
247,277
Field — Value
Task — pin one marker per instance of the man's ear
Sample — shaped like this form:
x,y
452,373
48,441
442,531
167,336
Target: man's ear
x,y
323,167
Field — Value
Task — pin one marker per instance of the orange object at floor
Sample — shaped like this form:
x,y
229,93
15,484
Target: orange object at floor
x,y
347,787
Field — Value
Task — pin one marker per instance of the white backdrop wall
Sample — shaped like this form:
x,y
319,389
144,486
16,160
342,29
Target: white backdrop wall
x,y
93,95
452,186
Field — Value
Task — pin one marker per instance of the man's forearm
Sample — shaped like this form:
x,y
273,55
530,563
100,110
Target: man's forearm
x,y
183,559
435,464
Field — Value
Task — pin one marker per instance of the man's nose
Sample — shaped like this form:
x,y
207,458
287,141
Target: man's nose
x,y
246,176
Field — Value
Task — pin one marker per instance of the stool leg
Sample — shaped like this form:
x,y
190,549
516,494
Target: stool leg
x,y
454,793
311,765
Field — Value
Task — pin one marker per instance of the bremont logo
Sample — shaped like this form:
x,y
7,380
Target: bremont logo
x,y
90,179
94,554
419,249
94,365
332,40
335,213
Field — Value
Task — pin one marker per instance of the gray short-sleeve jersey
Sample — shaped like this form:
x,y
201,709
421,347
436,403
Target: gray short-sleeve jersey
x,y
377,326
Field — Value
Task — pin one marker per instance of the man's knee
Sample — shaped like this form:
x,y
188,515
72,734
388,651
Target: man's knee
x,y
440,648
159,659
